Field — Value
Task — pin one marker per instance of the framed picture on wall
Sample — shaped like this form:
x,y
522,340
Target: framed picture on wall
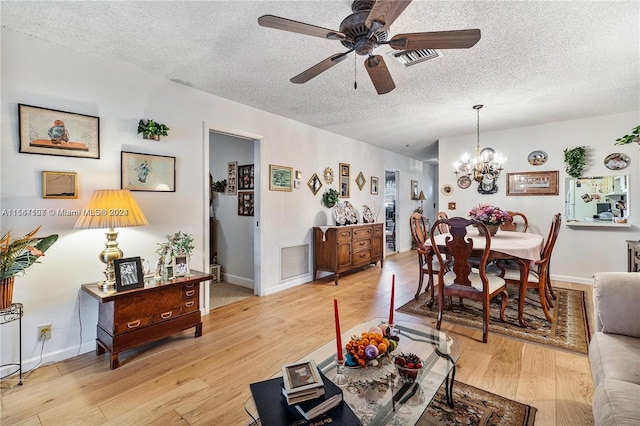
x,y
345,186
52,132
374,185
245,177
414,189
59,184
245,203
146,172
232,184
281,178
532,183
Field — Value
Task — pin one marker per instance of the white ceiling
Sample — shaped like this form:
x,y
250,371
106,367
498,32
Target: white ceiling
x,y
537,61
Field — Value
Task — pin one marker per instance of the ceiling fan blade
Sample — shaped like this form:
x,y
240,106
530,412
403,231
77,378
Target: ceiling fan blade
x,y
319,68
379,74
385,12
285,24
461,39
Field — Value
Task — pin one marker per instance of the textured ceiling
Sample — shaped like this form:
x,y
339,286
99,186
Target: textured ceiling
x,y
537,61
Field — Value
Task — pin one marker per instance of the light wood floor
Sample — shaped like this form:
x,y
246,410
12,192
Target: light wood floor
x,y
183,380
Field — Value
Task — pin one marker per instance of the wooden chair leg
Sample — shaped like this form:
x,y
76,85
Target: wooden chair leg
x,y
505,301
553,294
440,305
421,279
485,320
543,302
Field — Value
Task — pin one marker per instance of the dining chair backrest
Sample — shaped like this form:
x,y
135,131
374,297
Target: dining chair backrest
x,y
459,246
518,223
554,230
443,228
419,229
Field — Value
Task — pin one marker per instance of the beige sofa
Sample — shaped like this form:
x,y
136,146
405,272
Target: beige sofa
x,y
614,351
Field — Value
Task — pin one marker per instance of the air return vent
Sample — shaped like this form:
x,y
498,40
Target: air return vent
x,y
411,57
294,261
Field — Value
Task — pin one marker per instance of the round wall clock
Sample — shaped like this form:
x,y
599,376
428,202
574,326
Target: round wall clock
x,y
446,189
537,158
616,161
464,182
328,175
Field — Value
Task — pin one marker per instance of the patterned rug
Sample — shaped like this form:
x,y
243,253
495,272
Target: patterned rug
x,y
569,331
473,406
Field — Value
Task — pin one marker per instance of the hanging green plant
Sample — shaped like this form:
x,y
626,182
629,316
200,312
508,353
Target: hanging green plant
x,y
151,129
219,186
633,137
575,160
330,198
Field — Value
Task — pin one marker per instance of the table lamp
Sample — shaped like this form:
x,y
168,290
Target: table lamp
x,y
111,208
421,197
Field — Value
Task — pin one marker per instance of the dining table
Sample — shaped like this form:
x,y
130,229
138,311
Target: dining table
x,y
524,248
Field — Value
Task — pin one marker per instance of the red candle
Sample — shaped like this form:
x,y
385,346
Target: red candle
x,y
338,336
393,288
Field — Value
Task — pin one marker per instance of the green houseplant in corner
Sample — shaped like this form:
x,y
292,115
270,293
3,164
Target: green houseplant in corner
x,y
575,160
330,198
151,129
18,255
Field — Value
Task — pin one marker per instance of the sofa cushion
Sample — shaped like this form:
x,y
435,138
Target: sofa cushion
x,y
614,357
615,299
616,403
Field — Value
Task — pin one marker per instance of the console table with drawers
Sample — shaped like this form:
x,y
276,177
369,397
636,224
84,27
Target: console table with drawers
x,y
341,248
131,318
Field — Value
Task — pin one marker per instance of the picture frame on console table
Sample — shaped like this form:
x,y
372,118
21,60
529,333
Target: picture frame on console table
x,y
128,273
51,132
301,376
147,172
180,266
532,183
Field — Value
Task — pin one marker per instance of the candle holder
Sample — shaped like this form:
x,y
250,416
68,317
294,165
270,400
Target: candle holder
x,y
341,377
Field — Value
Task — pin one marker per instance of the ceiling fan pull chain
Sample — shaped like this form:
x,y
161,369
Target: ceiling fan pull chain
x,y
355,72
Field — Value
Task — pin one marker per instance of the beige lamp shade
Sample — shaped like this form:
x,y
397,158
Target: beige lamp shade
x,y
111,208
421,197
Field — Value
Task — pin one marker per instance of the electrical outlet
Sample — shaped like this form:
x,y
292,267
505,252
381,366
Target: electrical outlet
x,y
44,332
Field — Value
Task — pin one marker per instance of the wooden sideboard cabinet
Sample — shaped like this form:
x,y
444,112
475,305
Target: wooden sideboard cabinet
x,y
131,318
341,248
633,253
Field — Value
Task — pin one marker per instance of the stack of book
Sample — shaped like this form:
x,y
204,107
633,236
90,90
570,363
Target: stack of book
x,y
281,401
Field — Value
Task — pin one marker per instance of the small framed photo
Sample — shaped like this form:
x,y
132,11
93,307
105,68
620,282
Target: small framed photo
x,y
59,184
52,132
314,183
180,266
280,178
301,376
374,185
232,184
215,273
146,172
345,184
532,183
245,203
245,177
128,273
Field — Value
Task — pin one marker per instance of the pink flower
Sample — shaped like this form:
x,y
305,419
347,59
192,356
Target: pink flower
x,y
489,215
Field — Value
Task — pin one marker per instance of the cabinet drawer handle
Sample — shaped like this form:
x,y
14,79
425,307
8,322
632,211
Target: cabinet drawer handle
x,y
190,285
190,293
189,304
133,324
166,315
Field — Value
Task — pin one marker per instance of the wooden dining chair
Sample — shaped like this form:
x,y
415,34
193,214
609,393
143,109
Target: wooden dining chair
x,y
519,223
458,279
442,228
539,275
420,233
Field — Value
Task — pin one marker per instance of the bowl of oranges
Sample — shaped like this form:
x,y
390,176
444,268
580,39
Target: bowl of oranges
x,y
370,348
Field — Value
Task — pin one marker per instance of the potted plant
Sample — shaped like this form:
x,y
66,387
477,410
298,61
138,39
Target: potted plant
x,y
151,129
18,255
219,186
330,197
575,160
633,137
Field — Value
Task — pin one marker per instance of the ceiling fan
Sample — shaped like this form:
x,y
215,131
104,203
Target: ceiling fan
x,y
364,30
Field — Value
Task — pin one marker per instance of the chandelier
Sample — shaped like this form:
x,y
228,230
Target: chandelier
x,y
484,168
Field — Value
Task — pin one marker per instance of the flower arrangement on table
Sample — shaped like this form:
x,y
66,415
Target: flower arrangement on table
x,y
489,215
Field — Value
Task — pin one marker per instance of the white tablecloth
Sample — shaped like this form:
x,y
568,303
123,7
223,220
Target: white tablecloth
x,y
523,245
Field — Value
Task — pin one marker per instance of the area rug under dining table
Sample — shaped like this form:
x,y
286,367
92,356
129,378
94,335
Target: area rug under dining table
x,y
569,330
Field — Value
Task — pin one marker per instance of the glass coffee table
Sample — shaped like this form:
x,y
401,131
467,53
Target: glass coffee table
x,y
370,391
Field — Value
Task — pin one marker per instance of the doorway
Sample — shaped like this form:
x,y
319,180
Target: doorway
x,y
390,207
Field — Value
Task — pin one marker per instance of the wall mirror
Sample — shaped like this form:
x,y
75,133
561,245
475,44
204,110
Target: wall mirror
x,y
597,200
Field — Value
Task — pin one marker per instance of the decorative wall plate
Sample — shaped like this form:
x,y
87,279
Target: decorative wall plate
x,y
616,161
328,175
464,182
537,158
446,189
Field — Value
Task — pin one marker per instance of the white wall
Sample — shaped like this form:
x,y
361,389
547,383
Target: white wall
x,y
579,252
121,95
